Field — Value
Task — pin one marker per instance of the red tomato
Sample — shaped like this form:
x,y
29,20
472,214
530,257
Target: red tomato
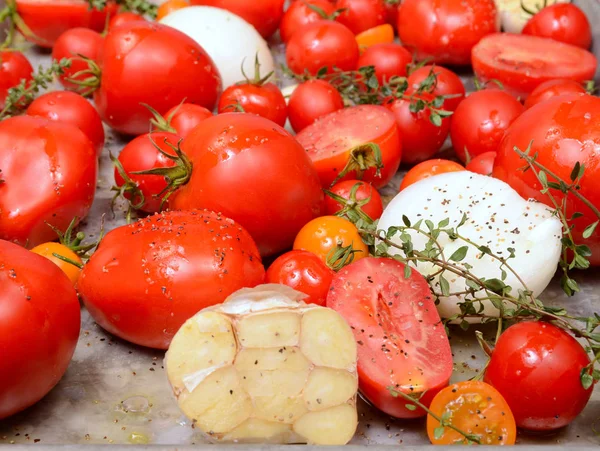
x,y
482,164
70,108
147,278
341,136
564,130
446,83
124,18
322,44
562,22
445,31
39,312
49,174
428,169
183,118
310,101
401,339
553,88
73,42
388,59
130,54
14,67
421,139
391,12
521,63
299,14
480,121
536,367
265,100
365,193
303,271
361,15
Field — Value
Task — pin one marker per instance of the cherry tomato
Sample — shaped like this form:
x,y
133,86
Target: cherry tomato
x,y
70,108
147,278
322,44
373,205
361,15
475,408
445,31
480,121
311,100
536,367
323,235
521,63
255,97
563,22
401,339
169,6
428,169
482,164
303,271
14,67
74,42
300,13
123,19
183,118
381,34
445,83
389,60
48,250
553,88
345,136
52,180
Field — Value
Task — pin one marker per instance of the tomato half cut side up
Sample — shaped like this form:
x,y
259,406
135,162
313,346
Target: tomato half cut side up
x,y
401,340
523,62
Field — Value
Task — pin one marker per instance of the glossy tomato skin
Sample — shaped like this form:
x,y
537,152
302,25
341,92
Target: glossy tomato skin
x,y
48,250
312,100
427,169
446,83
322,44
303,271
14,68
70,108
264,100
388,59
123,19
184,117
49,171
374,208
129,54
564,130
299,14
482,164
479,122
401,340
74,42
361,15
536,367
272,186
40,327
445,31
562,22
177,263
553,88
329,141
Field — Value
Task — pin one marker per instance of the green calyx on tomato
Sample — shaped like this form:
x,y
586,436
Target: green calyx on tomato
x,y
161,123
92,75
257,80
351,207
361,159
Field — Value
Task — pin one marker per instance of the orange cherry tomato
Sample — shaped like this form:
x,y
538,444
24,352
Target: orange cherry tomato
x,y
323,234
169,6
475,408
49,249
381,34
429,168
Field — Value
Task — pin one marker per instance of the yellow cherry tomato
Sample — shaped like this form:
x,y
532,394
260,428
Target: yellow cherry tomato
x,y
169,6
381,34
48,249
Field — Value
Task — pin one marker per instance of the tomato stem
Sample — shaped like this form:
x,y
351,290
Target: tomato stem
x,y
362,158
68,260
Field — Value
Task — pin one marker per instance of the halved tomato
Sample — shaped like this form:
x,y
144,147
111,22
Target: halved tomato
x,y
401,340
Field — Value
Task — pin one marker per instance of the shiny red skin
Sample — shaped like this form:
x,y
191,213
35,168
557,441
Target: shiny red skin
x,y
49,171
303,271
14,68
553,88
374,208
536,367
73,42
141,154
39,313
129,55
361,15
329,141
388,59
564,130
482,164
445,31
70,108
299,14
479,122
254,172
186,116
147,278
264,100
391,13
401,339
564,22
124,18
312,100
322,44
447,83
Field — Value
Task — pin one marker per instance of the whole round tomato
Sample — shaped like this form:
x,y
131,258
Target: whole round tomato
x,y
563,22
130,54
169,6
562,131
480,121
553,88
14,67
303,271
70,108
482,164
428,169
183,118
255,97
389,60
39,312
536,367
147,278
351,195
49,176
322,44
71,270
438,81
361,15
311,100
300,13
123,19
445,31
74,42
